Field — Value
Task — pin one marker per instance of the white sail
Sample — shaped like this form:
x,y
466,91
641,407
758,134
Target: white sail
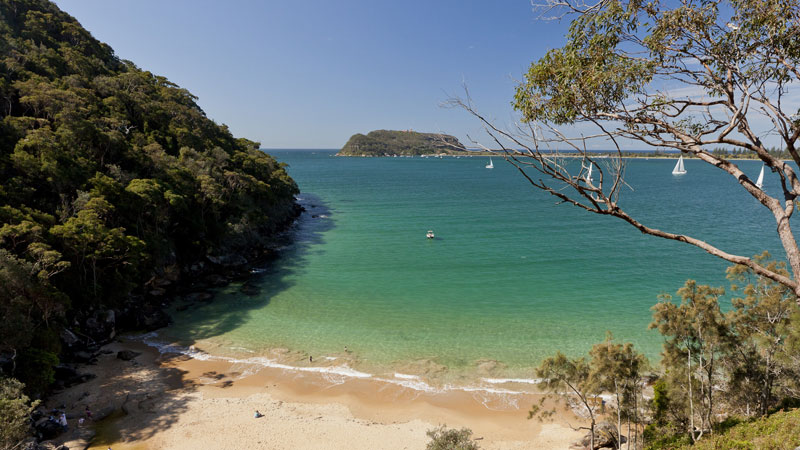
x,y
679,170
589,175
760,181
490,165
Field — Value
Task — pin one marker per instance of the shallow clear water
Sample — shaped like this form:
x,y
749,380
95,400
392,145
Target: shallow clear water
x,y
511,276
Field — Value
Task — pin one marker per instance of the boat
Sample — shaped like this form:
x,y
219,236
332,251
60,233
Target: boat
x,y
430,234
760,181
589,175
679,170
490,165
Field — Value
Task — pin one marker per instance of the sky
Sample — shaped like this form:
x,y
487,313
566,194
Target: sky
x,y
309,74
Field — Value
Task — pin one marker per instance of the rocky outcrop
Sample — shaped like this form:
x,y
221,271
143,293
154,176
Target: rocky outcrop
x,y
605,436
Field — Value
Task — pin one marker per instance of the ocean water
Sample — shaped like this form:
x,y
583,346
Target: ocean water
x,y
511,277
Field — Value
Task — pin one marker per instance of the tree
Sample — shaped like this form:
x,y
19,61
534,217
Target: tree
x,y
758,320
15,411
617,368
689,75
696,335
559,374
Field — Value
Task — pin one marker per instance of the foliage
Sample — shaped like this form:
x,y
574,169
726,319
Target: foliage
x,y
389,142
108,174
760,321
15,410
780,430
443,438
617,368
696,335
571,377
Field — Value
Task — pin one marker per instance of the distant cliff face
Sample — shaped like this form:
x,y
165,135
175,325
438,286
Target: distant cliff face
x,y
390,143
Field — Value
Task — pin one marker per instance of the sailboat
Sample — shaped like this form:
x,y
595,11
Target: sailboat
x,y
490,165
760,181
679,170
589,175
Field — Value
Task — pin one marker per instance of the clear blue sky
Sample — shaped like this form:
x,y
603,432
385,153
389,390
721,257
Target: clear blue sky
x,y
308,74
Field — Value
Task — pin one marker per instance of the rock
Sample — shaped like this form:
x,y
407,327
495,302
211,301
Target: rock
x,y
111,317
605,436
232,260
48,429
102,413
68,337
198,297
127,355
155,320
65,372
157,292
31,444
82,356
80,439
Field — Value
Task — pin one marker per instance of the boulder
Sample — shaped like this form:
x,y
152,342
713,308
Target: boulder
x,y
80,439
68,337
65,372
82,356
102,413
605,436
48,429
155,319
127,355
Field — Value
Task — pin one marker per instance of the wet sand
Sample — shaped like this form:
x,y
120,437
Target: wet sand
x,y
171,401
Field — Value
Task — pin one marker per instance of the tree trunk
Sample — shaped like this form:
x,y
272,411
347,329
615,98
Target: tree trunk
x,y
691,402
619,414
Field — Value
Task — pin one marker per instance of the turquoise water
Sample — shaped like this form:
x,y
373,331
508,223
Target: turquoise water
x,y
511,276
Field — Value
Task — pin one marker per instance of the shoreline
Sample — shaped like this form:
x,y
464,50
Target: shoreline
x,y
170,400
482,377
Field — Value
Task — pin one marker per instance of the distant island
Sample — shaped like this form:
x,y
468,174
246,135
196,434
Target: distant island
x,y
402,143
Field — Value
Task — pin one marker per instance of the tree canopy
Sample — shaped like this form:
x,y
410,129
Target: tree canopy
x,y
108,174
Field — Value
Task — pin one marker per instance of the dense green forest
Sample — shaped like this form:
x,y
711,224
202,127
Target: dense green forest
x,y
110,176
391,142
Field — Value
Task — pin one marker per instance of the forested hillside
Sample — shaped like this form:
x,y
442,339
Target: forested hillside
x,y
391,142
109,176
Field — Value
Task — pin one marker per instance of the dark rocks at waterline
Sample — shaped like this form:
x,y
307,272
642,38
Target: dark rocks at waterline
x,y
198,297
127,355
228,261
605,436
67,376
142,316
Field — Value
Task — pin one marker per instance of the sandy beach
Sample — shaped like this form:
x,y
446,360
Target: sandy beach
x,y
171,401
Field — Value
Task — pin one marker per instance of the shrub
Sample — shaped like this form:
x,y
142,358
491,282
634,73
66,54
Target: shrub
x,y
451,439
15,408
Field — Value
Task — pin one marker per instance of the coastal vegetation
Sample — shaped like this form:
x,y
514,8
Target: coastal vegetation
x,y
113,183
407,142
443,438
720,367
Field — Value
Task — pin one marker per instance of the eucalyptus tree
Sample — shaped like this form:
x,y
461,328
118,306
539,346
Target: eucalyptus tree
x,y
687,75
